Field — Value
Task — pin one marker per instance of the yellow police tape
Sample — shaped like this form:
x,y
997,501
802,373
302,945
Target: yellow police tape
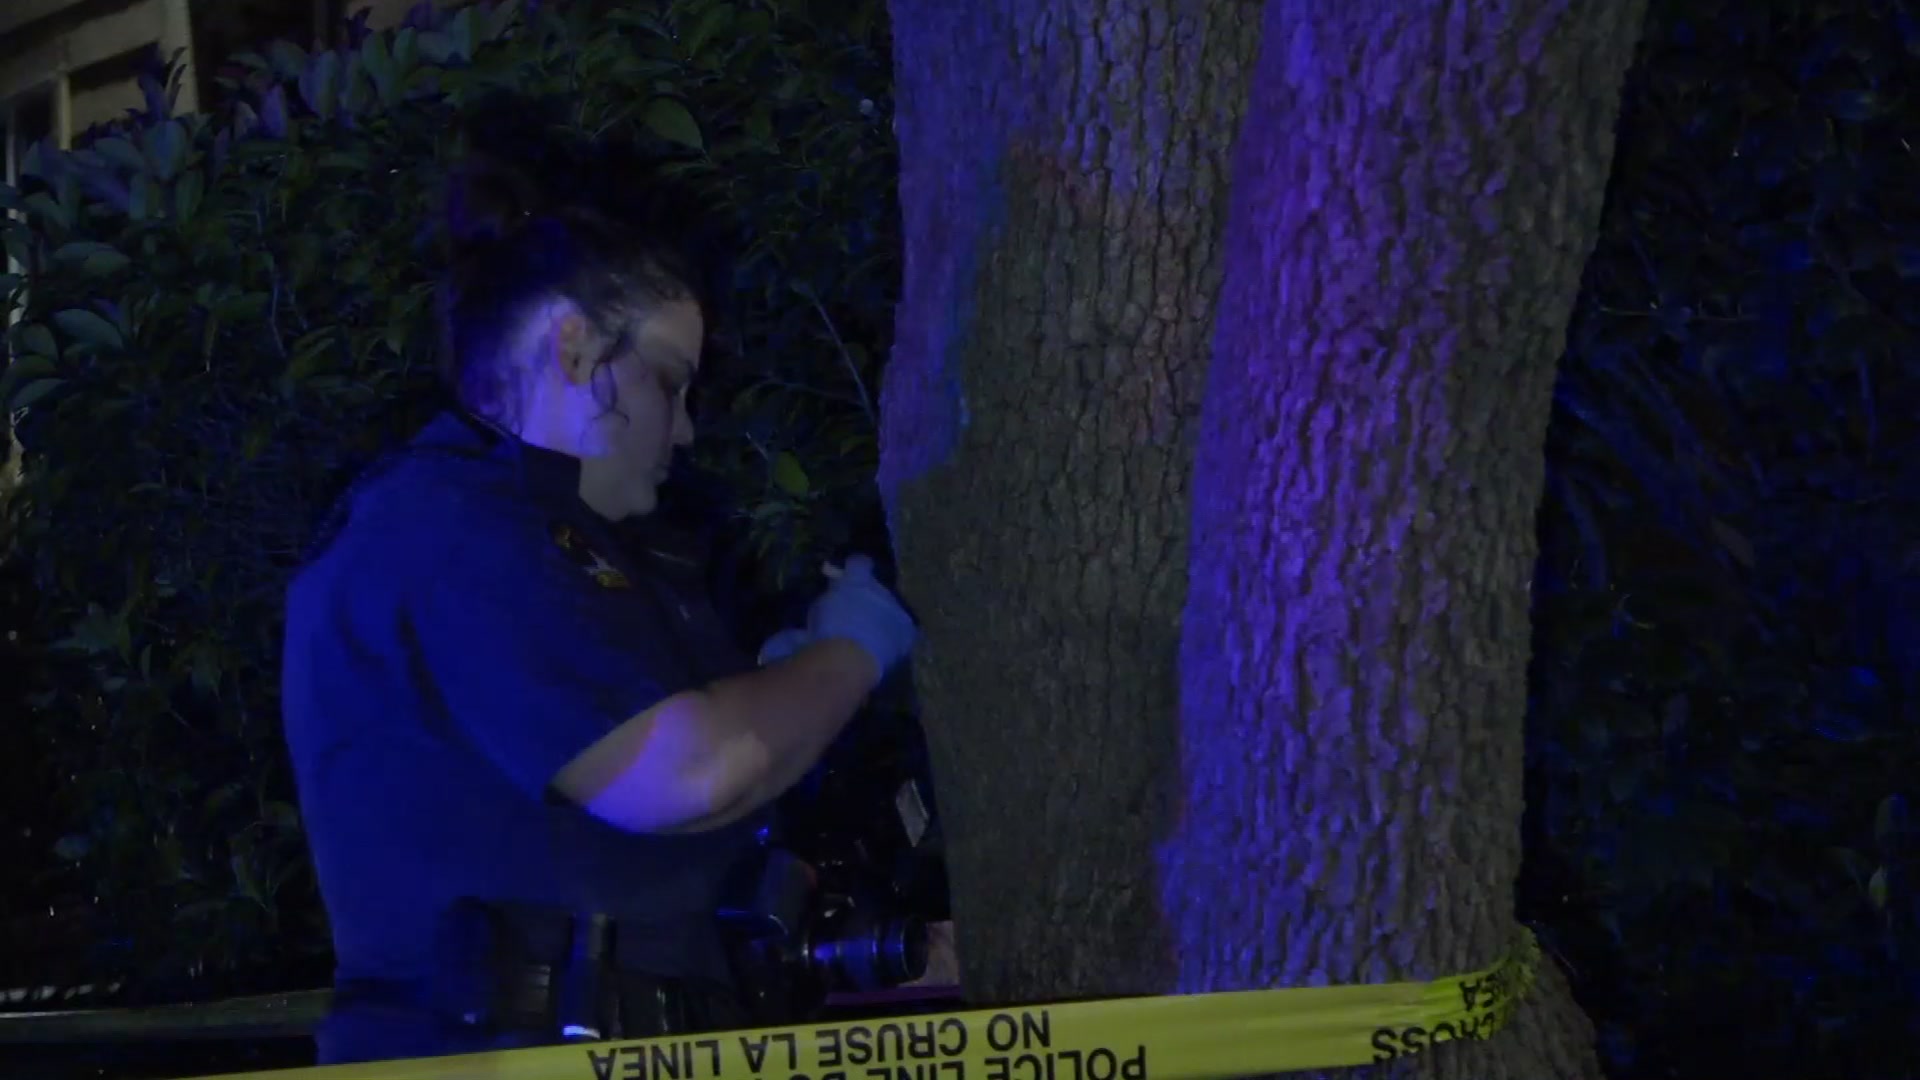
x,y
1188,1037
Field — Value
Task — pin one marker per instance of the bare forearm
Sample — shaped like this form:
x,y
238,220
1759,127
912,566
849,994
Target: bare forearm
x,y
702,759
785,715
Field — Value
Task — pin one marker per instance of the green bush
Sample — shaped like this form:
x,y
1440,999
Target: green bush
x,y
229,316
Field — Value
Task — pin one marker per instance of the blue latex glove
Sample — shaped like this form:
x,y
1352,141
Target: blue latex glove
x,y
857,607
784,644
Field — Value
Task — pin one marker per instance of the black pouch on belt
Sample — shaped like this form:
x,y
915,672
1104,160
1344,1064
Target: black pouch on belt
x,y
495,966
520,968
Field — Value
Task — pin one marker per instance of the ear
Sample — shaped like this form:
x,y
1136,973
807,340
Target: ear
x,y
568,344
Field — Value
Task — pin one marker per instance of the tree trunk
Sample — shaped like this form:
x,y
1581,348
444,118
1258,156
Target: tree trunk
x,y
1213,450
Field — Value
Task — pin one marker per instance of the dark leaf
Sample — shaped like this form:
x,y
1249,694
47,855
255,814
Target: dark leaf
x,y
143,202
462,35
273,113
120,153
380,69
320,84
714,19
501,19
92,257
88,328
166,149
670,120
34,339
33,392
789,476
188,190
289,61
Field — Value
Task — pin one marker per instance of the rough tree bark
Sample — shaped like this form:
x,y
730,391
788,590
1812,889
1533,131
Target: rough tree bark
x,y
1212,439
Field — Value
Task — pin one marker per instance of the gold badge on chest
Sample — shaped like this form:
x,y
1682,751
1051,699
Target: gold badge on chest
x,y
594,564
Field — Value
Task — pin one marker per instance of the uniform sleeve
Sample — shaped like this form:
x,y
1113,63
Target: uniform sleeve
x,y
533,656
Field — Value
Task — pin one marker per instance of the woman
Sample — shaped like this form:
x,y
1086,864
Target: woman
x,y
498,719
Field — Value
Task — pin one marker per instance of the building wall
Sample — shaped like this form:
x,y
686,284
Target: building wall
x,y
83,54
82,57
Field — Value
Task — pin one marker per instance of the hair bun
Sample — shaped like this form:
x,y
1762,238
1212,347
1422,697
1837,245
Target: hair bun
x,y
511,143
488,200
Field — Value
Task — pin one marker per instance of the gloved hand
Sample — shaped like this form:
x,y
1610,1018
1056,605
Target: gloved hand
x,y
857,607
784,644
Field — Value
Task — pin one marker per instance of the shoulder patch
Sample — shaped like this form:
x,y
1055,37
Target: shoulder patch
x,y
591,562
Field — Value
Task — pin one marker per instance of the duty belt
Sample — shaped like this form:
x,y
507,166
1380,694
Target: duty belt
x,y
547,975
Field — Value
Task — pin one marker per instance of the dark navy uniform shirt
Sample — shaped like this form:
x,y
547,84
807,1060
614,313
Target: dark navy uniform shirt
x,y
470,630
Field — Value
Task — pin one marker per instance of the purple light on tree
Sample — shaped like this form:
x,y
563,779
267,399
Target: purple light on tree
x,y
1225,582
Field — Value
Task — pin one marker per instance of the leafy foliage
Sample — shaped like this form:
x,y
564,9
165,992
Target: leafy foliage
x,y
229,317
1721,765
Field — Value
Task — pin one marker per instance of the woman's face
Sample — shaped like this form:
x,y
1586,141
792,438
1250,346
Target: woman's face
x,y
628,449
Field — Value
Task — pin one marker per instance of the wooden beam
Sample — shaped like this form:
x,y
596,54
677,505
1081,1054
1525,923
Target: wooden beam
x,y
15,14
63,111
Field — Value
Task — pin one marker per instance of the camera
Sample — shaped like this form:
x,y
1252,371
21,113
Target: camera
x,y
837,906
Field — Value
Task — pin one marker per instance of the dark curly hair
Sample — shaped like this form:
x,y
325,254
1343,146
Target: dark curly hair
x,y
534,215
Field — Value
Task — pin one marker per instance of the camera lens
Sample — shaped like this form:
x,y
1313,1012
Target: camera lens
x,y
852,951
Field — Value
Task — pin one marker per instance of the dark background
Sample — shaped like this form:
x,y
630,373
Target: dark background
x,y
1722,742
